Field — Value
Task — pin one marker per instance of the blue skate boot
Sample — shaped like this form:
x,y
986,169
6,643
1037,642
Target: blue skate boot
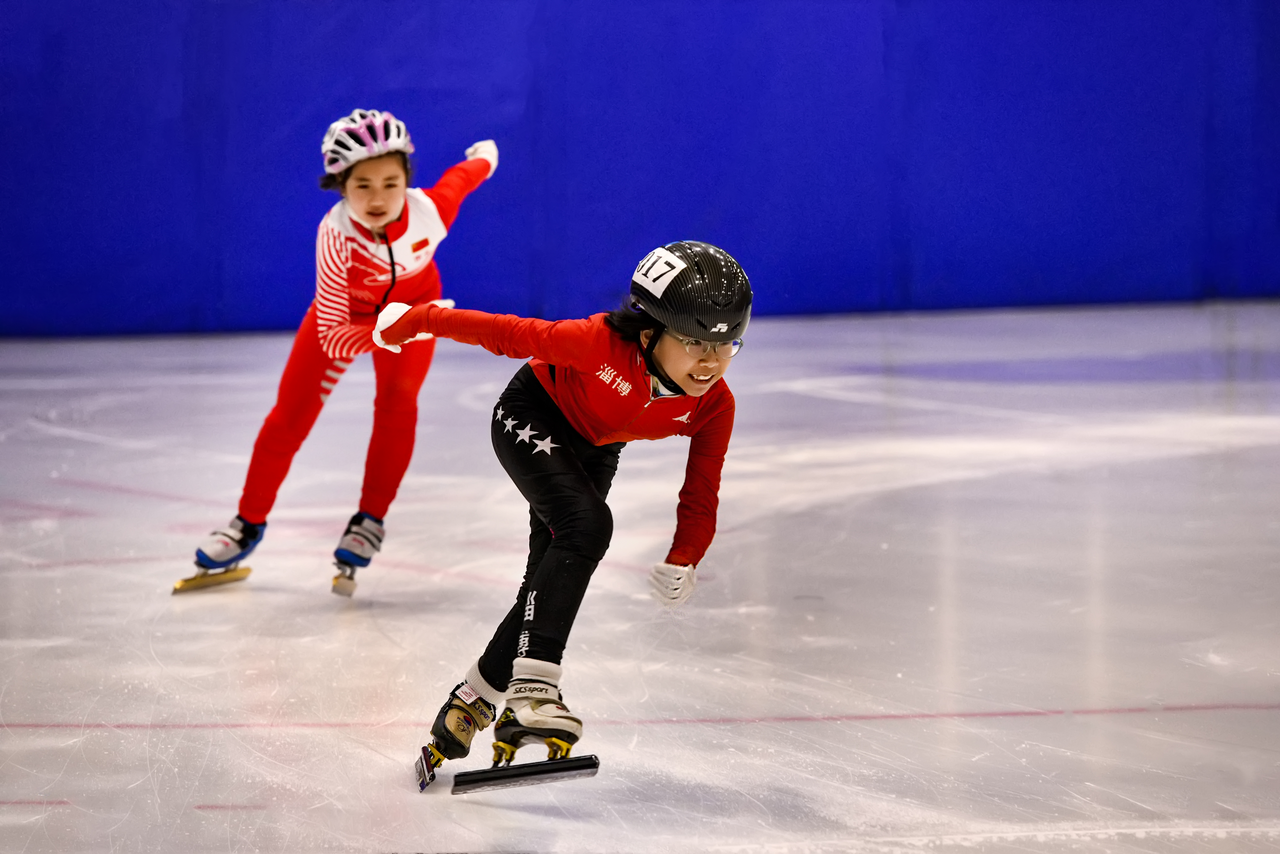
x,y
360,542
218,557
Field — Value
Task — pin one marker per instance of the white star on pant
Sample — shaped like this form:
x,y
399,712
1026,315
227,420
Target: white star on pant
x,y
544,445
510,422
525,434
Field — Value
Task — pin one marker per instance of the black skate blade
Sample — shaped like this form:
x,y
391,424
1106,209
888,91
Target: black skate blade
x,y
525,774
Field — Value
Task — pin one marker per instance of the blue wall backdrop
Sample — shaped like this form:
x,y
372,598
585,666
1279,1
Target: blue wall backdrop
x,y
161,157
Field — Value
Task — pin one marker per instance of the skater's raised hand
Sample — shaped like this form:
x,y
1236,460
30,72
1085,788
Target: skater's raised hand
x,y
485,149
671,585
393,338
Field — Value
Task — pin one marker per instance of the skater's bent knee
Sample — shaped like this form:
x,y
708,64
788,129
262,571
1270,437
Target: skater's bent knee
x,y
588,532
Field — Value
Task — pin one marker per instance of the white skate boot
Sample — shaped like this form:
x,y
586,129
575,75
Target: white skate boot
x,y
218,557
360,542
535,712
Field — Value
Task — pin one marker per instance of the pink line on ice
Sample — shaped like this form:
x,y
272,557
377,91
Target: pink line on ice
x,y
35,803
907,716
928,716
229,807
101,561
22,511
132,490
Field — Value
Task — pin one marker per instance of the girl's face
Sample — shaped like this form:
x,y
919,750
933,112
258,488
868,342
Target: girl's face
x,y
375,190
694,372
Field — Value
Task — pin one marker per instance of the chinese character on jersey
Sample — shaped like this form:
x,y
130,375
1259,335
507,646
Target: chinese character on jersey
x,y
607,373
623,387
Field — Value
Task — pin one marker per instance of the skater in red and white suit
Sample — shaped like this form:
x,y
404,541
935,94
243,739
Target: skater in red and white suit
x,y
649,370
376,246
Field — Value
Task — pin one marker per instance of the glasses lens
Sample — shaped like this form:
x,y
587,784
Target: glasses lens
x,y
728,349
698,347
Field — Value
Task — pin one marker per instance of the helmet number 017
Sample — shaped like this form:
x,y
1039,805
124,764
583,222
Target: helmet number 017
x,y
657,270
695,289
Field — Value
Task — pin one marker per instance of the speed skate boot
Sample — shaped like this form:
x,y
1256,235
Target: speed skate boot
x,y
218,557
466,712
360,542
535,713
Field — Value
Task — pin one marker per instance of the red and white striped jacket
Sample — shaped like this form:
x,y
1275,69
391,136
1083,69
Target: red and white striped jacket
x,y
353,267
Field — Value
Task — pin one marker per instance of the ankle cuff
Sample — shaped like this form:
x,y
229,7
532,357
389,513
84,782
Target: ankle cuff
x,y
481,686
530,689
532,668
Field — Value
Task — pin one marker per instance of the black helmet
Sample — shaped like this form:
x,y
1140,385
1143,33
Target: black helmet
x,y
695,289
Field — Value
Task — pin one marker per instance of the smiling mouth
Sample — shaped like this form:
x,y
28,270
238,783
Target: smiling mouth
x,y
702,379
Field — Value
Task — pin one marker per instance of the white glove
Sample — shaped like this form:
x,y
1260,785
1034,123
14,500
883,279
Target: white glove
x,y
393,312
485,149
671,585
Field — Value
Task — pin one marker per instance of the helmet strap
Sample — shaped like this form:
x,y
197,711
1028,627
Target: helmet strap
x,y
652,365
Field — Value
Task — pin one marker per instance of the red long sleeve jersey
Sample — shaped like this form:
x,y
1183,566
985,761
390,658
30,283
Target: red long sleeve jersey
x,y
601,384
353,267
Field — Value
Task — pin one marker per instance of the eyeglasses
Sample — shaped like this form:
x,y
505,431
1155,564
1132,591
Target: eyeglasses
x,y
699,348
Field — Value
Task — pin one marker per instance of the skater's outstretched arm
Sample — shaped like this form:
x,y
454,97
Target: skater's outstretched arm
x,y
460,180
559,342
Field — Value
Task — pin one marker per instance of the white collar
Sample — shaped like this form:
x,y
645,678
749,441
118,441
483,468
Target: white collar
x,y
659,390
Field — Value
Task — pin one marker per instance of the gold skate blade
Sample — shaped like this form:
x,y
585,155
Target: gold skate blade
x,y
503,753
525,774
211,579
558,749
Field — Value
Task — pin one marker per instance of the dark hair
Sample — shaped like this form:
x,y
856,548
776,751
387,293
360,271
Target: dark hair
x,y
629,320
339,181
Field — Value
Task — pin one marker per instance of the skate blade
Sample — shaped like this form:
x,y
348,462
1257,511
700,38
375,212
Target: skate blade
x,y
212,578
344,586
527,774
426,766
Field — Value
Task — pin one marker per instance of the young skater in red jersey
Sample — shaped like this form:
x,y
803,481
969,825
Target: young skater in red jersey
x,y
374,247
646,371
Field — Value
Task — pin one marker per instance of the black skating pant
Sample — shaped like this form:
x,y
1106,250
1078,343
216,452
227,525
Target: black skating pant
x,y
565,479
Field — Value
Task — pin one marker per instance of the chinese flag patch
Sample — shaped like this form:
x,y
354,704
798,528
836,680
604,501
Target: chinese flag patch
x,y
421,244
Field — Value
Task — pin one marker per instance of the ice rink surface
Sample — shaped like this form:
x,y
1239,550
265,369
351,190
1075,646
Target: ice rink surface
x,y
1002,581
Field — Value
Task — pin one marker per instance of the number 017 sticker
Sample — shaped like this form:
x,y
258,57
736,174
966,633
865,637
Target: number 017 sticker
x,y
657,270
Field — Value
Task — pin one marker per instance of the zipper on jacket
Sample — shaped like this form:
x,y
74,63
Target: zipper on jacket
x,y
391,287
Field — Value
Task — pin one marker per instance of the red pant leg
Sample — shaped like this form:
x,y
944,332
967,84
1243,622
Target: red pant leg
x,y
395,420
308,378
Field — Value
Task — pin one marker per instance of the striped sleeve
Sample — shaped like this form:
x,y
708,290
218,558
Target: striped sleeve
x,y
339,337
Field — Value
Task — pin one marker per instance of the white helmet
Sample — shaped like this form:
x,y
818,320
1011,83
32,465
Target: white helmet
x,y
361,135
